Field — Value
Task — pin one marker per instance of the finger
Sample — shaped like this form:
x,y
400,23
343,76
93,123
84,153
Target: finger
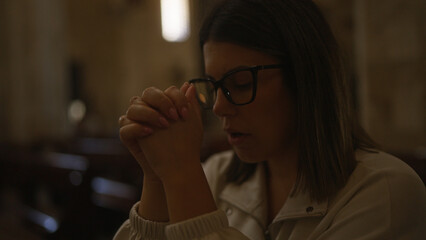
x,y
192,99
185,87
133,131
191,95
121,120
133,99
137,100
156,99
124,121
142,113
129,135
179,100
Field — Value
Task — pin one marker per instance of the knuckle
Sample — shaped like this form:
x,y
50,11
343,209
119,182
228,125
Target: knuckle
x,y
133,99
121,120
133,113
164,102
176,95
171,89
149,91
129,111
125,137
123,134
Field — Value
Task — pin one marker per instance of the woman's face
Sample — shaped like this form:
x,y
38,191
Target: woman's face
x,y
266,128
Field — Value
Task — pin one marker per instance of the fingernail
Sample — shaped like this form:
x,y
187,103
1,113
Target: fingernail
x,y
173,114
184,112
164,122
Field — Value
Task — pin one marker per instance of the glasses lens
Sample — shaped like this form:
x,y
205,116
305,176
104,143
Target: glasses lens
x,y
240,86
205,92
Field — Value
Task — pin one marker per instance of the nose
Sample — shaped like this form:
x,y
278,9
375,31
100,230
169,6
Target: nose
x,y
222,107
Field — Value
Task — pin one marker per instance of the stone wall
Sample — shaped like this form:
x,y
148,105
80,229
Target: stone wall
x,y
390,43
120,51
385,46
33,89
117,47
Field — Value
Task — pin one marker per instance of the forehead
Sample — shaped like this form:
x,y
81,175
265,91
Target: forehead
x,y
220,57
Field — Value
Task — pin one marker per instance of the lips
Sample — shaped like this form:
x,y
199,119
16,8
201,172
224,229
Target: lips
x,y
237,134
236,137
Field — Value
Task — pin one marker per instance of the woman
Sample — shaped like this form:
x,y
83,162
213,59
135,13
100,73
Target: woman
x,y
300,168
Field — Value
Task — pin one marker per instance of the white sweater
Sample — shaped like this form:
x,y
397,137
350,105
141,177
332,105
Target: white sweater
x,y
383,199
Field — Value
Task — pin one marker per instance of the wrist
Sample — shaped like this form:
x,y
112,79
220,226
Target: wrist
x,y
151,178
184,176
188,195
153,204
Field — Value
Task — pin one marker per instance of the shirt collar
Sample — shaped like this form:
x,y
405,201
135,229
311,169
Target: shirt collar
x,y
300,206
250,197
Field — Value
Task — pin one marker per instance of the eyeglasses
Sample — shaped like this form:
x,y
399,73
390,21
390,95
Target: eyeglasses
x,y
239,86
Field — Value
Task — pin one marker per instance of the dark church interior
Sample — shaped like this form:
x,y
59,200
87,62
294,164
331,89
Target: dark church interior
x,y
69,67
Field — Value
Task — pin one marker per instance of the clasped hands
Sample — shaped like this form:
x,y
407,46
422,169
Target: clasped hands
x,y
163,131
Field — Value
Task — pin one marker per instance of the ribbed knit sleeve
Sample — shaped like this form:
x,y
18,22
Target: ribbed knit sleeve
x,y
212,225
139,228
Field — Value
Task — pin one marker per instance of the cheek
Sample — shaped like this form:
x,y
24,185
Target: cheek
x,y
276,124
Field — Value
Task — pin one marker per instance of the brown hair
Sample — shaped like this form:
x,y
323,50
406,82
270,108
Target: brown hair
x,y
295,32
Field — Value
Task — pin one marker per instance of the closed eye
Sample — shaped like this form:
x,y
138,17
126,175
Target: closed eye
x,y
242,87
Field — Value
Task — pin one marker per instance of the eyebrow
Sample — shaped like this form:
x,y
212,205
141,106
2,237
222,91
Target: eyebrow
x,y
230,70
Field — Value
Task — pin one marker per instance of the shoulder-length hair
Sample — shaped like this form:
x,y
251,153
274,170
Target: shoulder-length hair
x,y
296,33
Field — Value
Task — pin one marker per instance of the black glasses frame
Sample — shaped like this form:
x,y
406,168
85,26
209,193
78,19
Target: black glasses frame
x,y
219,84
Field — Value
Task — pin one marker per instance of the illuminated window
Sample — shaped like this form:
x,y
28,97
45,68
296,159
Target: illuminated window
x,y
175,20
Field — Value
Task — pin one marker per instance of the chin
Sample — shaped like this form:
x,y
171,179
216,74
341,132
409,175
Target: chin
x,y
248,156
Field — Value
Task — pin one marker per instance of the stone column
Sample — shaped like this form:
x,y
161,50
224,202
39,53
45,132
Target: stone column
x,y
391,61
33,76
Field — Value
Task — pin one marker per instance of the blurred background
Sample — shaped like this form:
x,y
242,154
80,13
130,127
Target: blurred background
x,y
69,67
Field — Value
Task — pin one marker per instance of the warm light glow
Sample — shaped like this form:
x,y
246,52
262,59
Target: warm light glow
x,y
76,111
175,20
